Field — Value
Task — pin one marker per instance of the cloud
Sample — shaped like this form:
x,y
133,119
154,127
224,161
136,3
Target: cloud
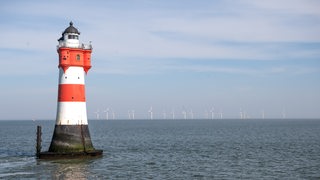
x,y
249,34
302,7
212,30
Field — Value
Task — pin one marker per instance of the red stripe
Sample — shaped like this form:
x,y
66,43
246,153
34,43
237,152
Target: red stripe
x,y
71,93
74,57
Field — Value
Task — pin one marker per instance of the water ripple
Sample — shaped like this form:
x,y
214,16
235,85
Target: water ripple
x,y
199,149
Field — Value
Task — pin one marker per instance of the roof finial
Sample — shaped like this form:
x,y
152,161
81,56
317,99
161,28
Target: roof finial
x,y
71,23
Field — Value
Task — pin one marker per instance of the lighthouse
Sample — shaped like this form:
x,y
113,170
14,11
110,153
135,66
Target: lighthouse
x,y
71,133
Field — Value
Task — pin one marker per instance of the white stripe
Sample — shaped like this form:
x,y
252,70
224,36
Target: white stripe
x,y
73,75
71,113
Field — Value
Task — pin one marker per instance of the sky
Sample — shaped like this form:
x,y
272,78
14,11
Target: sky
x,y
183,56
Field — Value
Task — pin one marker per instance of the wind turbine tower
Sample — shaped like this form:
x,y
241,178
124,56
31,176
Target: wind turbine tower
x,y
113,115
164,114
206,114
107,113
212,113
151,113
132,114
97,114
184,113
191,114
129,114
284,114
173,114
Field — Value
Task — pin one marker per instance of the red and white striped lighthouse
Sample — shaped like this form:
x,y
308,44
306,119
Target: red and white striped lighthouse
x,y
71,133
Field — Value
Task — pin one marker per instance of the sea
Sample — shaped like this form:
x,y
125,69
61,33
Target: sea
x,y
171,149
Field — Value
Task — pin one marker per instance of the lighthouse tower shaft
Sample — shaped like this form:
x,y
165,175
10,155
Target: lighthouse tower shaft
x,y
71,133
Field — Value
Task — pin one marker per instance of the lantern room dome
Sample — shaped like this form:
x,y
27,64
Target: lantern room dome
x,y
71,29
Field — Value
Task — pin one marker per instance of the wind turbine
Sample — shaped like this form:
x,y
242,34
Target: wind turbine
x,y
212,113
283,113
206,114
164,114
172,114
241,114
97,114
129,114
184,113
191,114
132,114
220,114
107,113
262,113
151,113
113,115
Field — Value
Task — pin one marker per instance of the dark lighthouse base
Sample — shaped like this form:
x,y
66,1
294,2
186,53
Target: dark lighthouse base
x,y
68,141
69,155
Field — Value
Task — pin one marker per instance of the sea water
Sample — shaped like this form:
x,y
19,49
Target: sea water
x,y
171,149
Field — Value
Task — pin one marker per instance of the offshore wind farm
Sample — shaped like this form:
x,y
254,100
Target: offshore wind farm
x,y
182,113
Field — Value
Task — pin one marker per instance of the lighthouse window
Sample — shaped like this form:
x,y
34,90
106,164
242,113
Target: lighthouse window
x,y
78,57
73,37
